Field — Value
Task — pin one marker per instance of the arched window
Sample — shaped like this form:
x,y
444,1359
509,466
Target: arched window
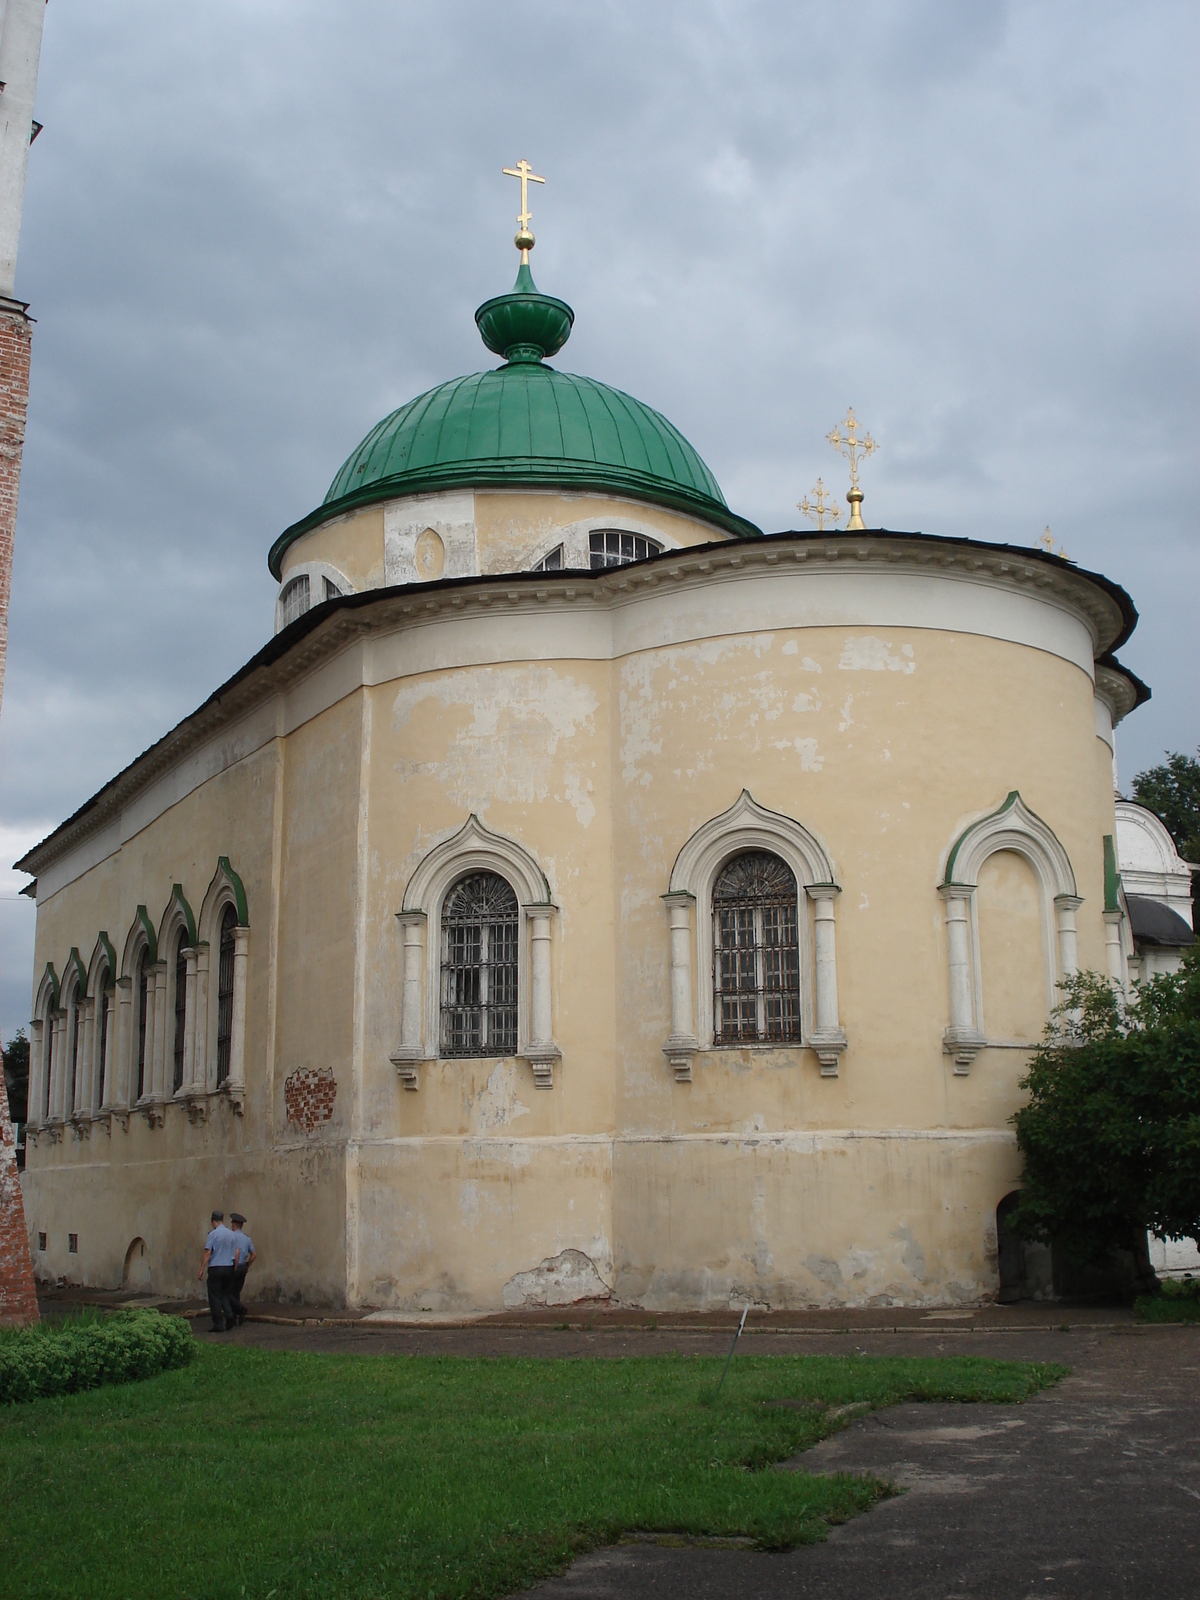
x,y
610,547
225,993
551,563
143,994
479,967
180,1005
756,952
294,601
103,1006
76,1009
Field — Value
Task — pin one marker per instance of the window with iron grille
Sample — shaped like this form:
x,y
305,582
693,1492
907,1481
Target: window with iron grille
x,y
612,548
225,994
294,601
76,1026
105,1006
551,563
143,996
756,952
180,1005
480,923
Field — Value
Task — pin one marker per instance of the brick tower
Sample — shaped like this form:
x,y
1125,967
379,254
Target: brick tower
x,y
20,49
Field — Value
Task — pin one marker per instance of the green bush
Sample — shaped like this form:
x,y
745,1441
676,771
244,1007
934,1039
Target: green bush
x,y
87,1351
1180,1288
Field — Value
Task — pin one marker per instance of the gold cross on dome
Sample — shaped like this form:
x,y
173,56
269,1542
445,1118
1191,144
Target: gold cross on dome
x,y
824,505
524,238
851,443
1047,544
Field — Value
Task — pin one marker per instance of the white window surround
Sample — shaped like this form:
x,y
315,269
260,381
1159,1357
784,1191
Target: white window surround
x,y
316,572
226,889
176,919
1013,826
141,937
749,826
475,848
41,1040
575,538
102,974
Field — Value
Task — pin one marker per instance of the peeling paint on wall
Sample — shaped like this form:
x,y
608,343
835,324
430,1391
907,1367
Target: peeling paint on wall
x,y
561,1280
869,654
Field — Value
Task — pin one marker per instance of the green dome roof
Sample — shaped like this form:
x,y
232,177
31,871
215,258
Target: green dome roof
x,y
523,424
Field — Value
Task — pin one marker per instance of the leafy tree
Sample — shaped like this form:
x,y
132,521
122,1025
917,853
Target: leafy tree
x,y
1172,791
16,1076
1111,1134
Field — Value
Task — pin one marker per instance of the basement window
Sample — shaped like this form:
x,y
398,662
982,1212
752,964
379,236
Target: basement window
x,y
73,1243
41,1241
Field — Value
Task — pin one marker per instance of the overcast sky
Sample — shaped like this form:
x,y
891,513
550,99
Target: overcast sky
x,y
254,227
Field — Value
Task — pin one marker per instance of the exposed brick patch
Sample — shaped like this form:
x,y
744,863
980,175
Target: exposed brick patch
x,y
18,1298
14,398
309,1097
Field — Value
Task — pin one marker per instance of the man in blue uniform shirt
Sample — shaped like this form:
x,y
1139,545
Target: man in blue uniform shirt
x,y
245,1257
220,1258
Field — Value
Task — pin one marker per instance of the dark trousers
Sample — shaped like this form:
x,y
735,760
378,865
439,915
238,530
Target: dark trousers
x,y
235,1293
220,1297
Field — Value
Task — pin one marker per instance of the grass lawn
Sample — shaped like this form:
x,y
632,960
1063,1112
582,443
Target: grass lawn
x,y
270,1474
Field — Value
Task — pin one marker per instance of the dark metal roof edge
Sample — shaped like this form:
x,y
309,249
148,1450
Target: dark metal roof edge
x,y
1141,691
290,636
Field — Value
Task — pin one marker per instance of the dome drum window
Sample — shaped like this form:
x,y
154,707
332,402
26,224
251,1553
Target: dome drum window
x,y
552,562
294,600
612,547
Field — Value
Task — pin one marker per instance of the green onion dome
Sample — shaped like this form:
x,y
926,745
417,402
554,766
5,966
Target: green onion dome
x,y
523,425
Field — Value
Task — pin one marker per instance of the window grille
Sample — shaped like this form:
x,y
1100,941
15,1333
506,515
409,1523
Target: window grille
x,y
105,1003
76,1024
332,590
225,994
480,923
180,1006
553,562
143,996
756,952
294,599
612,548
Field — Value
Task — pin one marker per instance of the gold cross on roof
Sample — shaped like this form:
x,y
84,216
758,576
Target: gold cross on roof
x,y
524,239
825,505
851,444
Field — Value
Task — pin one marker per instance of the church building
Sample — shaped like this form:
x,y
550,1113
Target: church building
x,y
584,895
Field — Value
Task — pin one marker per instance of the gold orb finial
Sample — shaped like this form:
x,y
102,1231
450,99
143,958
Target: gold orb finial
x,y
523,239
852,444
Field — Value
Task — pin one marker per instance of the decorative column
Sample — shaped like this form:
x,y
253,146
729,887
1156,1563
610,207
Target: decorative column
x,y
1065,907
962,1038
828,1038
542,1051
682,1045
156,1043
199,1076
235,1084
189,1025
411,1048
109,1076
1114,956
57,1088
85,1065
36,1097
124,1058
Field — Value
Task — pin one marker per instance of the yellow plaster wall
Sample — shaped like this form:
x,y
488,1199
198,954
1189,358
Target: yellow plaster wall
x,y
353,544
513,528
1012,955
